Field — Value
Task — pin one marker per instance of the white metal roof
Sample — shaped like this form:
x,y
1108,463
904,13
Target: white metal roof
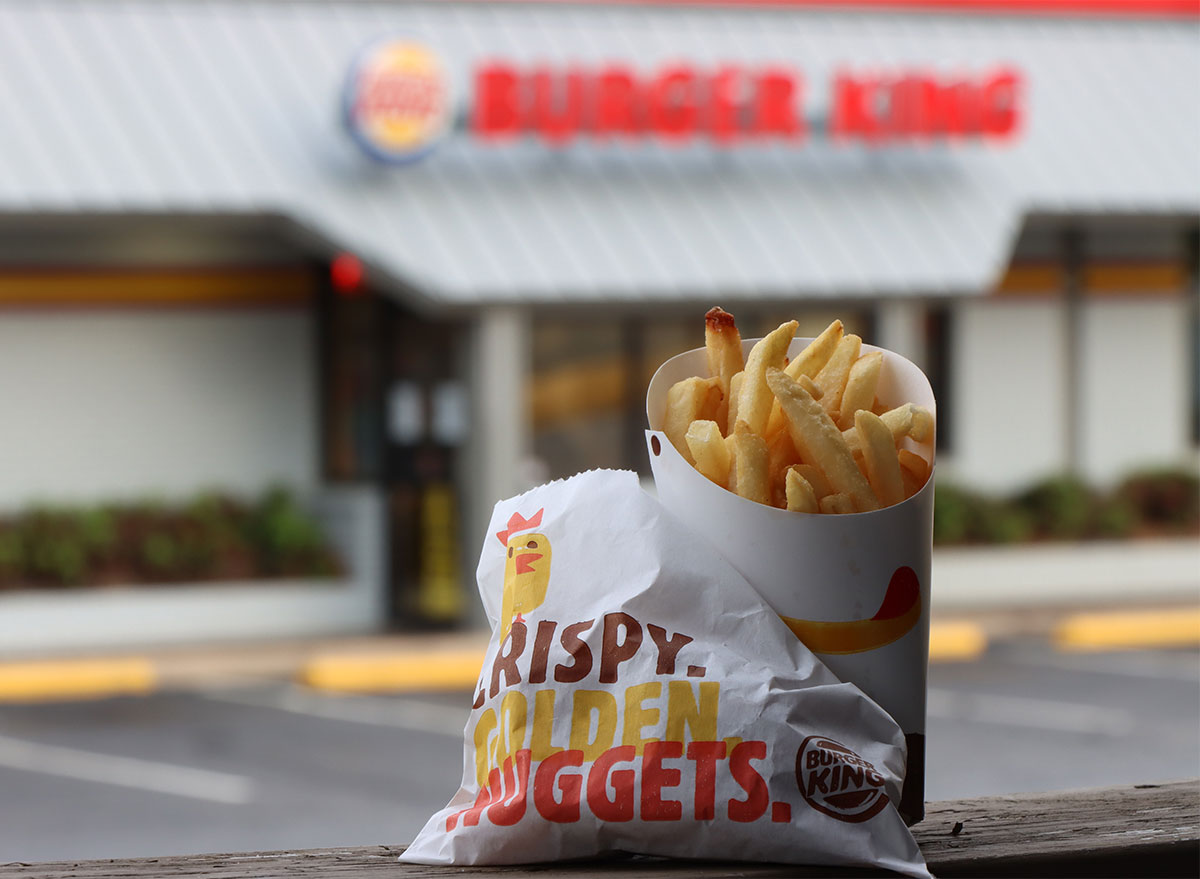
x,y
223,106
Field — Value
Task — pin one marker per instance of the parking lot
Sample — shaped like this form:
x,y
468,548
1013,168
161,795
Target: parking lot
x,y
279,766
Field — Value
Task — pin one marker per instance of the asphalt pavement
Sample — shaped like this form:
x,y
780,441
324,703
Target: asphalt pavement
x,y
281,766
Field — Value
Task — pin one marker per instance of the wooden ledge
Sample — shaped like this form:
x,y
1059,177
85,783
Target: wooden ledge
x,y
1141,830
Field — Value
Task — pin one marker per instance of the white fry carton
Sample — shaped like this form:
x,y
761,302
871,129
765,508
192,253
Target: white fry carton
x,y
854,587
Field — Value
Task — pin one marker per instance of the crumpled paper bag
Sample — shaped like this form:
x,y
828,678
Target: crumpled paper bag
x,y
638,696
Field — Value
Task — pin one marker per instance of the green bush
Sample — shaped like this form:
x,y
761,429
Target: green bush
x,y
954,513
1000,522
212,536
1166,498
1059,508
12,555
288,538
1115,517
1065,508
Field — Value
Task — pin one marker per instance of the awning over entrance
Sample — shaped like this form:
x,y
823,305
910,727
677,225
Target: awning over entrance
x,y
235,108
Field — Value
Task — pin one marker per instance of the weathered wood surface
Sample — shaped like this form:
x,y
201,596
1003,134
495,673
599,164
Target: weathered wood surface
x,y
1144,830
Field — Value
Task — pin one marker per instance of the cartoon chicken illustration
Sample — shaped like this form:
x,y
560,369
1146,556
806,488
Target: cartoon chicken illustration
x,y
526,570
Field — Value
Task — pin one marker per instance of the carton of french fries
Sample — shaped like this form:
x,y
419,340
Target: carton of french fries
x,y
808,464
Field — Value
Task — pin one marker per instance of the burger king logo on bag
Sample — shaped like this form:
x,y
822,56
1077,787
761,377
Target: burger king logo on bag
x,y
837,782
397,100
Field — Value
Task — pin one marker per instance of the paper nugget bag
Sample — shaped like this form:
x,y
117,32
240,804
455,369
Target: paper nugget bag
x,y
854,587
638,696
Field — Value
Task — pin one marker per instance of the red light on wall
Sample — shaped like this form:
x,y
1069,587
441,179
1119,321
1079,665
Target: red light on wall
x,y
346,274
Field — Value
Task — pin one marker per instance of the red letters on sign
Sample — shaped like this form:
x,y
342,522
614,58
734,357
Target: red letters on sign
x,y
918,107
678,104
496,113
557,108
675,104
776,104
672,104
617,104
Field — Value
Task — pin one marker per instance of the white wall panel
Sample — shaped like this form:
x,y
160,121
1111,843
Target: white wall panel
x,y
1134,385
108,404
1009,393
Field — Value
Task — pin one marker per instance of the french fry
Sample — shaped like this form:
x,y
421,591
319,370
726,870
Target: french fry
x,y
686,400
781,454
804,366
814,477
708,448
818,440
914,470
750,463
735,388
811,386
817,353
879,452
754,399
800,495
922,424
907,420
723,346
860,387
731,481
710,408
837,504
832,377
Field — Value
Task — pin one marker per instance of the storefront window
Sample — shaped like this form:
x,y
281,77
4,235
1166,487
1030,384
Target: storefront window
x,y
590,376
579,397
938,332
352,429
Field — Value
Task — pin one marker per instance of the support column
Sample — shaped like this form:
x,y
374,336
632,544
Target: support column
x,y
1073,361
499,372
901,328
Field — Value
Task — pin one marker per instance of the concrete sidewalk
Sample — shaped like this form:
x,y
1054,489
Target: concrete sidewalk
x,y
1060,574
1081,597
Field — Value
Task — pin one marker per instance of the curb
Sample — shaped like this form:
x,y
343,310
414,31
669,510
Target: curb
x,y
395,672
956,641
67,680
1128,630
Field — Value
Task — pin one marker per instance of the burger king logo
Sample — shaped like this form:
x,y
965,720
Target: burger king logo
x,y
397,101
836,781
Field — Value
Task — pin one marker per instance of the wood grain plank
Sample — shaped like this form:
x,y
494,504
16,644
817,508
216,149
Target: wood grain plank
x,y
1142,830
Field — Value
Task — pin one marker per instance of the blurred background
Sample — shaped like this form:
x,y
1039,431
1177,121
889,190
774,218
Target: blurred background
x,y
292,292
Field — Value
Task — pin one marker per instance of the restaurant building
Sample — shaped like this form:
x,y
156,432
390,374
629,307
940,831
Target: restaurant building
x,y
434,251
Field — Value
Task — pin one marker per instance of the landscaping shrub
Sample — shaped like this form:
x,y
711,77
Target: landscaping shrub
x,y
211,537
954,510
1065,508
1061,507
1168,499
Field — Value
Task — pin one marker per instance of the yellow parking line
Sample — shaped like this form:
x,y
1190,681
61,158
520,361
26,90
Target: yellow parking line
x,y
1127,630
956,641
75,679
366,672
